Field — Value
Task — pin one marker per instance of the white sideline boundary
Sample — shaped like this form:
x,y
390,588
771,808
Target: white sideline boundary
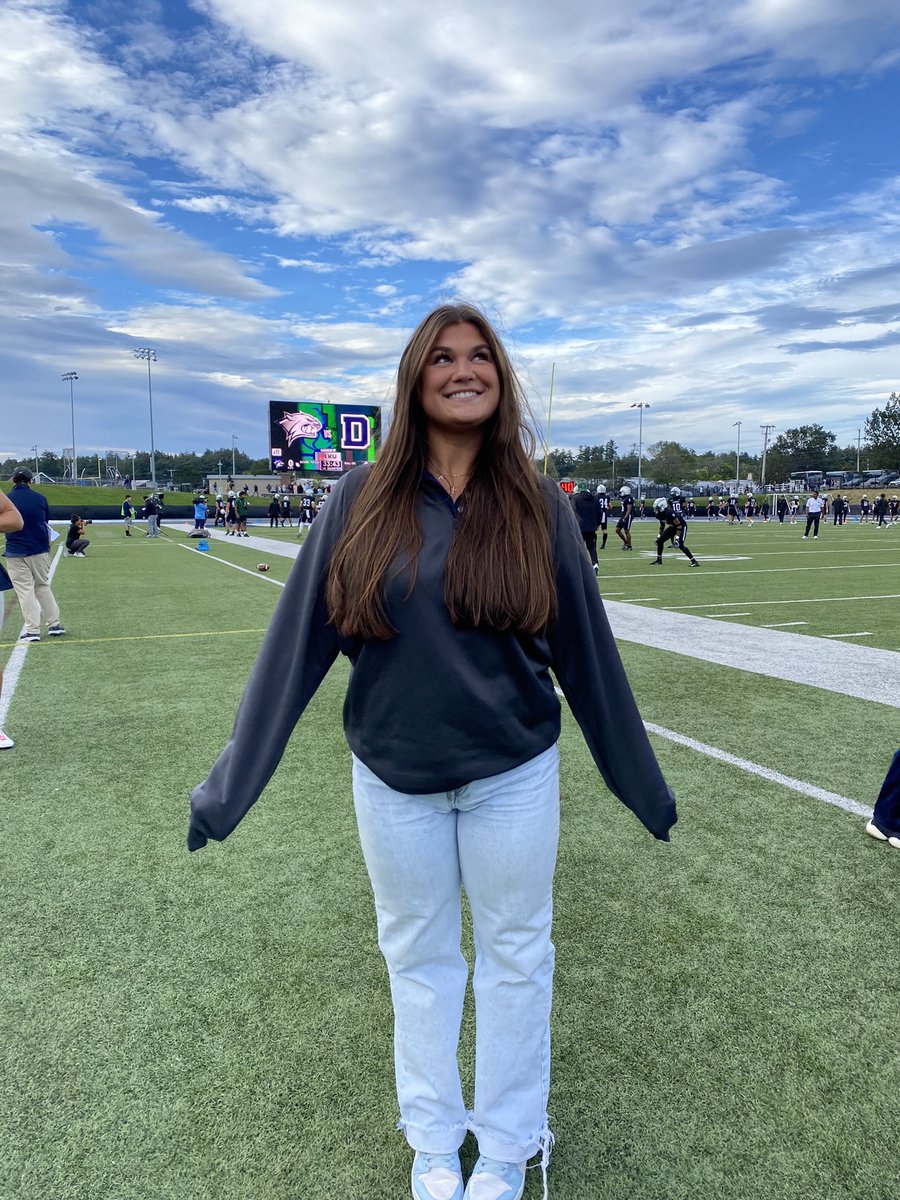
x,y
16,660
752,768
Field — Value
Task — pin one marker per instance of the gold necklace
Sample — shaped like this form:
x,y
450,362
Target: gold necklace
x,y
447,478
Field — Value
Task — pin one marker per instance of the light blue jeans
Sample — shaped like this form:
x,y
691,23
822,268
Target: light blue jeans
x,y
497,838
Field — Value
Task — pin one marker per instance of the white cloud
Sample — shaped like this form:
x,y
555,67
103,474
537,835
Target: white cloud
x,y
596,167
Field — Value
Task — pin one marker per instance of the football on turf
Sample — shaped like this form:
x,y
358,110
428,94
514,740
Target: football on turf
x,y
262,566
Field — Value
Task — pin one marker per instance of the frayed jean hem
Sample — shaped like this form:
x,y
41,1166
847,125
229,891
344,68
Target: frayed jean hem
x,y
445,1140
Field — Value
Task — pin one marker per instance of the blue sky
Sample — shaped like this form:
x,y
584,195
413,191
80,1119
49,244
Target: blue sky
x,y
694,205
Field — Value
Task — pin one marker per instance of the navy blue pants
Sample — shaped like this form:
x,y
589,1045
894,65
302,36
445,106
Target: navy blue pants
x,y
887,806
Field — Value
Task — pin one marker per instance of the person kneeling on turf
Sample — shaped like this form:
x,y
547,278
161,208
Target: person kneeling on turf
x,y
670,528
76,544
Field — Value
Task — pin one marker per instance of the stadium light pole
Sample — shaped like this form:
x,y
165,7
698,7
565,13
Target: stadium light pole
x,y
69,378
148,354
234,438
36,468
737,468
641,406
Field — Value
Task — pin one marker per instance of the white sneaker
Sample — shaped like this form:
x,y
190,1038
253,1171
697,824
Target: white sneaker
x,y
874,832
6,743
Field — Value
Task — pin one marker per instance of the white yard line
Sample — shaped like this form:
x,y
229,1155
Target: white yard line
x,y
752,768
16,661
215,558
841,667
843,635
743,764
719,616
807,600
776,570
784,624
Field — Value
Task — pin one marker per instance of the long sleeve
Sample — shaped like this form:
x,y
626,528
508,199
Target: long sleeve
x,y
297,652
587,664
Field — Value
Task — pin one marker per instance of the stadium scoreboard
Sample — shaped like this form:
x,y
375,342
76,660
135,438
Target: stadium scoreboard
x,y
328,438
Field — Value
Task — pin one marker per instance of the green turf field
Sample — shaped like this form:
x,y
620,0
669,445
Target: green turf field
x,y
847,583
217,1026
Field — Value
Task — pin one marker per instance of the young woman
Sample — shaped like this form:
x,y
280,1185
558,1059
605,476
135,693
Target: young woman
x,y
455,578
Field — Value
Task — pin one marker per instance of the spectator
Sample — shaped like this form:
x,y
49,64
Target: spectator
x,y
28,560
885,823
151,512
127,514
10,522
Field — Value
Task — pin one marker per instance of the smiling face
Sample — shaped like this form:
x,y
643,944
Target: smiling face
x,y
459,387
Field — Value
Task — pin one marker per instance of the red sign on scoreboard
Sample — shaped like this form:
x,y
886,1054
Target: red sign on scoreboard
x,y
567,485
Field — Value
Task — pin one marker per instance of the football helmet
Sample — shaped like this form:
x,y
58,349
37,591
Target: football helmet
x,y
624,491
601,489
659,504
674,492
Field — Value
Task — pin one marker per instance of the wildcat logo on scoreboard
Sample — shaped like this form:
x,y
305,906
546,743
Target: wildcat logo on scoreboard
x,y
304,436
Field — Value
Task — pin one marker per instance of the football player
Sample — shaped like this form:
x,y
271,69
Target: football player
x,y
585,505
671,529
602,513
623,525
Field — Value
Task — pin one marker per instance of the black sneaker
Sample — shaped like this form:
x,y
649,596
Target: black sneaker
x,y
29,637
55,630
694,563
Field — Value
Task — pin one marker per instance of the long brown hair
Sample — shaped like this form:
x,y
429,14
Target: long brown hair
x,y
499,573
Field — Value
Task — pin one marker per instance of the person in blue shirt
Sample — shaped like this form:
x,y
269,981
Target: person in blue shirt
x,y
28,560
10,522
199,512
127,514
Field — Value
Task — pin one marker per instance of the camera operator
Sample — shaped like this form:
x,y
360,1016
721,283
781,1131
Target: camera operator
x,y
76,544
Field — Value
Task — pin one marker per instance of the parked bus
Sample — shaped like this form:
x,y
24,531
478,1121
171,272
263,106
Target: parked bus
x,y
808,480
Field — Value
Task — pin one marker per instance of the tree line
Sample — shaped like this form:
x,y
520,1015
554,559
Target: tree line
x,y
176,469
805,448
